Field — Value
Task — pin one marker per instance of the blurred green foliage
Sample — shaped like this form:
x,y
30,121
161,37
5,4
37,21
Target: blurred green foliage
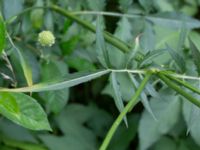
x,y
168,39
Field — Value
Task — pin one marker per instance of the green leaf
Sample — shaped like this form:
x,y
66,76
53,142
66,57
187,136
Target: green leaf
x,y
74,121
191,115
21,144
132,52
123,30
101,50
143,96
23,110
54,100
167,111
69,45
96,5
147,5
165,143
173,20
177,58
117,95
72,80
26,69
182,37
37,17
12,7
147,41
80,64
123,136
171,36
117,58
195,54
164,6
25,66
14,131
151,56
126,87
2,34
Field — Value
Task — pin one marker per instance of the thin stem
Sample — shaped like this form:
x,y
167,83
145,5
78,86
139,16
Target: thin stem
x,y
104,13
185,84
119,119
178,89
129,71
108,37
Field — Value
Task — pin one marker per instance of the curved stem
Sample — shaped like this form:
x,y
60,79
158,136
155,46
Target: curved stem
x,y
179,90
108,37
119,119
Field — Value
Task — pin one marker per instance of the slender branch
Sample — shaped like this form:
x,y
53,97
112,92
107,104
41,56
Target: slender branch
x,y
129,71
185,84
185,77
179,90
104,13
108,37
119,119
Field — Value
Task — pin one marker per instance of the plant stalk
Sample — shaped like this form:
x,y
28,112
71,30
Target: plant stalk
x,y
108,37
184,83
178,89
119,119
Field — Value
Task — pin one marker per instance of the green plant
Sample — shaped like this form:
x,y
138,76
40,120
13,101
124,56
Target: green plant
x,y
159,68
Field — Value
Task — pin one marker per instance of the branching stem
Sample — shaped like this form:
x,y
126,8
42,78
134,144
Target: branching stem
x,y
119,119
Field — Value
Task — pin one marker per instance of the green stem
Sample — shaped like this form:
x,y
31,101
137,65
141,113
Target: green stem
x,y
178,89
184,83
119,119
108,37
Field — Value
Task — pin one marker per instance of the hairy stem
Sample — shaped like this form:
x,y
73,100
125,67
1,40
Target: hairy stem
x,y
119,119
175,87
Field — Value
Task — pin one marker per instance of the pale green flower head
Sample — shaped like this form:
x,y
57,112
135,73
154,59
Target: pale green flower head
x,y
46,38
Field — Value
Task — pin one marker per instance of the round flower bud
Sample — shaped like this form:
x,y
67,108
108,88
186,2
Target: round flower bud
x,y
46,38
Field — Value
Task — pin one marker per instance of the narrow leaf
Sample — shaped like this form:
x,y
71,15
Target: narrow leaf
x,y
123,30
150,89
2,34
149,56
167,108
101,46
143,96
23,110
191,115
133,51
118,96
26,68
195,54
173,20
182,37
73,79
177,58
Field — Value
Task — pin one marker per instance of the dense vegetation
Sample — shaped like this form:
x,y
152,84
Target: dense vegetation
x,y
99,74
